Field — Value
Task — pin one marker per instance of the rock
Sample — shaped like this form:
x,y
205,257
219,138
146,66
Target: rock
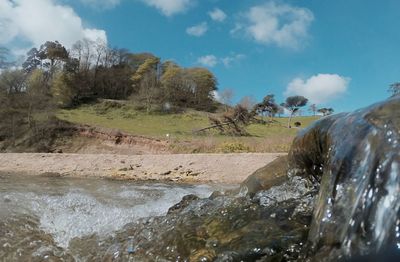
x,y
51,174
354,160
273,174
186,200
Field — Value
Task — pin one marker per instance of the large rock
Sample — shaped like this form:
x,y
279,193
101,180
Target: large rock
x,y
354,159
273,174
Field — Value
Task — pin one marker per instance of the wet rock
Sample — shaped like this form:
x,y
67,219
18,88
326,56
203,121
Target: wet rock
x,y
186,200
273,174
354,159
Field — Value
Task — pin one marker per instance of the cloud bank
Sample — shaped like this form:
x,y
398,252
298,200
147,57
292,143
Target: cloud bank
x,y
319,89
39,21
273,23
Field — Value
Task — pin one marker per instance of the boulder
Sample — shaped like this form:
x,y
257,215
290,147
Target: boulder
x,y
273,174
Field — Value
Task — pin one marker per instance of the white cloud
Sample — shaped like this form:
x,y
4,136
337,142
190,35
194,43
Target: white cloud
x,y
102,4
273,23
170,7
320,88
197,30
208,60
43,20
217,15
229,60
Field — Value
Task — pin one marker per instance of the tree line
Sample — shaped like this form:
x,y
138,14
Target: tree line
x,y
53,76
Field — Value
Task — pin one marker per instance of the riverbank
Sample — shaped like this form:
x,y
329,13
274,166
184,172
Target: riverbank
x,y
185,168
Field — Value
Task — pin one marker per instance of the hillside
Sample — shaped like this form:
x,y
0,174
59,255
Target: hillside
x,y
177,129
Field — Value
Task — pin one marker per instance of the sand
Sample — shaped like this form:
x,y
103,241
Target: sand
x,y
186,168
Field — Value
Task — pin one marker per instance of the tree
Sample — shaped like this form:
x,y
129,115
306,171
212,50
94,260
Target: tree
x,y
37,93
146,81
232,122
202,83
326,111
54,52
268,106
62,91
136,60
248,102
281,111
101,54
12,87
13,81
32,61
226,96
313,109
293,104
176,85
394,89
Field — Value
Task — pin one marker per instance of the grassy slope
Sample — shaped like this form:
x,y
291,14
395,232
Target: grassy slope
x,y
263,138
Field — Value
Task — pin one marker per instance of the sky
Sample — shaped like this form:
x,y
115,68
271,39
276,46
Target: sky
x,y
342,54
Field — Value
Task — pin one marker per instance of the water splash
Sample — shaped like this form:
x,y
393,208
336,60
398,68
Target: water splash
x,y
77,208
358,206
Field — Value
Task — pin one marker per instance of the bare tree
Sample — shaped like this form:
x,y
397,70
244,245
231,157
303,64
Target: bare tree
x,y
226,96
248,102
232,122
313,109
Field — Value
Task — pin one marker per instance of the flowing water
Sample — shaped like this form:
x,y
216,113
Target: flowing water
x,y
60,219
39,216
358,207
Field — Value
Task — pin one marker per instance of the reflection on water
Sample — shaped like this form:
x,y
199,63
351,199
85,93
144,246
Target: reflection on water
x,y
41,215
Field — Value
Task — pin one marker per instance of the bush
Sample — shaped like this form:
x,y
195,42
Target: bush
x,y
107,105
233,147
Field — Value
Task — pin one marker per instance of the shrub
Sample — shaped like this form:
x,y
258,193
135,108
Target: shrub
x,y
233,147
297,124
105,106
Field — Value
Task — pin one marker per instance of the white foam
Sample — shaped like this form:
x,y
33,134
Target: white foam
x,y
78,212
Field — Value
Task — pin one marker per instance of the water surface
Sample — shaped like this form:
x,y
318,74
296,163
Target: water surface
x,y
42,213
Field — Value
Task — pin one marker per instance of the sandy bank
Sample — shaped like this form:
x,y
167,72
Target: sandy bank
x,y
218,168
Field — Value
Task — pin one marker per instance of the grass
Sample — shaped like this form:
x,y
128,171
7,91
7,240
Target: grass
x,y
131,121
124,116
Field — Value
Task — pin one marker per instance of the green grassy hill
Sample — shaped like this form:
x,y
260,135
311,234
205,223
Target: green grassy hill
x,y
179,127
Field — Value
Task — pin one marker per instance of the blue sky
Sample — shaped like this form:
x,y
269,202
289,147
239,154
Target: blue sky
x,y
341,54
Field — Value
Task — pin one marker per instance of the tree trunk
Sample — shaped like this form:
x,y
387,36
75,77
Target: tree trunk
x,y
30,115
290,119
13,129
210,127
